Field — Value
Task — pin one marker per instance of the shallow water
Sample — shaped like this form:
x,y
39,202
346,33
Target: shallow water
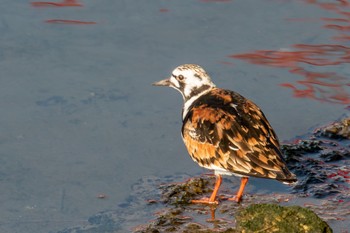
x,y
80,118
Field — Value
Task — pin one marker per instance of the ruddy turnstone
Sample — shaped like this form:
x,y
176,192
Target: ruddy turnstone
x,y
226,132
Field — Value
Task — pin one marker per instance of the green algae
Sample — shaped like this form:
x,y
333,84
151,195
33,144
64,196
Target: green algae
x,y
276,218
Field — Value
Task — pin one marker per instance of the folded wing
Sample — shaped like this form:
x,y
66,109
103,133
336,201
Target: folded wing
x,y
228,133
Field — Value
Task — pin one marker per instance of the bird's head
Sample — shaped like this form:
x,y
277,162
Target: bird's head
x,y
189,79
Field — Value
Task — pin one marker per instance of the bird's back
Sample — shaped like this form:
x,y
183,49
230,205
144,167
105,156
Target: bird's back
x,y
226,132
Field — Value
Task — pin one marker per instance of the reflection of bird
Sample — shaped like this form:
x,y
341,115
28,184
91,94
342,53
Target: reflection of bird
x,y
226,132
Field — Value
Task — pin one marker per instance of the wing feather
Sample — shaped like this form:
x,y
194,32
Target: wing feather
x,y
223,130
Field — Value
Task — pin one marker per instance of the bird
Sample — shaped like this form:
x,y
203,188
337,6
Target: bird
x,y
226,132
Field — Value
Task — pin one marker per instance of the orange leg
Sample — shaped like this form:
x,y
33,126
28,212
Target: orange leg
x,y
239,194
211,200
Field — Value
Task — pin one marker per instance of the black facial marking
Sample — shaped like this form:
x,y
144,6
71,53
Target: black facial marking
x,y
196,91
182,87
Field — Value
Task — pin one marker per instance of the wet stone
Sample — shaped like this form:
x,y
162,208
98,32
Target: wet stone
x,y
317,161
183,193
340,129
294,150
330,156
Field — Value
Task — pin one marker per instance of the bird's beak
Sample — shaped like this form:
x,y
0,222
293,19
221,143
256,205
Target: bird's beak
x,y
165,82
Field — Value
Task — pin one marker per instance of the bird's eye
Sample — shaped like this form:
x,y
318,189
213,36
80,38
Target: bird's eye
x,y
180,77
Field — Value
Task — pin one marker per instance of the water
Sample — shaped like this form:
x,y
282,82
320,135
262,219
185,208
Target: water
x,y
79,115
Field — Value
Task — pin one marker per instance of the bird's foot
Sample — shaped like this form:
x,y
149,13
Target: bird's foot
x,y
206,201
235,198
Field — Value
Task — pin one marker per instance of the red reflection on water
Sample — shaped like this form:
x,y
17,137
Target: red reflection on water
x,y
327,87
272,58
67,21
306,93
330,6
326,54
318,55
322,86
64,3
335,20
342,37
338,27
340,7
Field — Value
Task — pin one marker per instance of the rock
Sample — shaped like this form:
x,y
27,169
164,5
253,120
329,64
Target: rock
x,y
184,192
275,218
337,130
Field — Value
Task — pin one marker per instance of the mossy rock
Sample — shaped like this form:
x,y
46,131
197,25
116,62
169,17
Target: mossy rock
x,y
184,192
275,218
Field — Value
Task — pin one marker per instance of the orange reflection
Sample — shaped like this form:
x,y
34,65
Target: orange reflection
x,y
64,3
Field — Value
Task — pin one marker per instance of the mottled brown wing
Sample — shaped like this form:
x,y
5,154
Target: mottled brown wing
x,y
223,130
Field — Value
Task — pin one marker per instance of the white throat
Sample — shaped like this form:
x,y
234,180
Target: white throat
x,y
190,101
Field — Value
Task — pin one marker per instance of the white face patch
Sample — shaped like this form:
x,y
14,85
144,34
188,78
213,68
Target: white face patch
x,y
194,78
190,84
174,82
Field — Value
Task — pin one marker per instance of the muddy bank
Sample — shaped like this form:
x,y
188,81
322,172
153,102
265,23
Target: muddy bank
x,y
320,160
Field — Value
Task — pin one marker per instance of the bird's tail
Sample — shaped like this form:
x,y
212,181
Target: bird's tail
x,y
286,176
